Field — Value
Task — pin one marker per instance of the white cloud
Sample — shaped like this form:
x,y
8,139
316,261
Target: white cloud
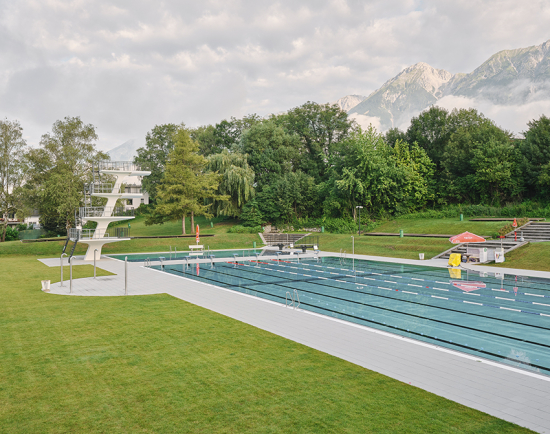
x,y
200,62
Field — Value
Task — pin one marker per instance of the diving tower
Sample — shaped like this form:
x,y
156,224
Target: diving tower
x,y
103,215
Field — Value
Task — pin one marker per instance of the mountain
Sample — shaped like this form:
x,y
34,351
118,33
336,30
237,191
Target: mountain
x,y
127,151
412,90
346,103
508,78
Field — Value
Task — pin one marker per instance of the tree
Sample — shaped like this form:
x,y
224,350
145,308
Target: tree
x,y
431,131
158,144
271,151
471,133
186,185
535,151
208,141
229,132
12,147
236,182
320,127
59,169
377,176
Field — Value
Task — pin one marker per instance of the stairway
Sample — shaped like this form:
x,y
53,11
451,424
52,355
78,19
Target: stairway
x,y
532,231
507,244
284,239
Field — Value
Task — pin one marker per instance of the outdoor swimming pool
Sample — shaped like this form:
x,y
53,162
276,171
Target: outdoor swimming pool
x,y
501,317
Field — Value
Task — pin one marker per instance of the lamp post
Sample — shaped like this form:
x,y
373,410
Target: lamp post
x,y
359,208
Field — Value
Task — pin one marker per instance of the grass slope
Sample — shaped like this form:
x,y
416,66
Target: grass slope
x,y
533,256
451,226
158,364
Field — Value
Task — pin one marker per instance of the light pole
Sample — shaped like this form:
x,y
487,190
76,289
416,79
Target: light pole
x,y
359,208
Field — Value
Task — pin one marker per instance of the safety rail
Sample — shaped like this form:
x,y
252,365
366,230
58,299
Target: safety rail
x,y
93,234
123,166
104,211
294,298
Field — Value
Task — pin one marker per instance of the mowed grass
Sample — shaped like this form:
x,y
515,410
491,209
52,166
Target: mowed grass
x,y
406,247
158,364
533,256
450,226
139,229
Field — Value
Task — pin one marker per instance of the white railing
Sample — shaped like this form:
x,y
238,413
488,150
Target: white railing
x,y
94,234
103,211
118,165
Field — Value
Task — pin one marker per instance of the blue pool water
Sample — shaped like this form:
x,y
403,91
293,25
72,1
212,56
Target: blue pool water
x,y
504,318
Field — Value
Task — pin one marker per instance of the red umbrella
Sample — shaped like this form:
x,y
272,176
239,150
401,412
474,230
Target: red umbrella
x,y
466,237
197,236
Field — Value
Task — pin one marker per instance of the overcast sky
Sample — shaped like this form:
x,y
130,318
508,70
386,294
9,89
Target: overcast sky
x,y
125,66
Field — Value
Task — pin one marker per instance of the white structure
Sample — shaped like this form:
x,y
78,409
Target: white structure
x,y
103,215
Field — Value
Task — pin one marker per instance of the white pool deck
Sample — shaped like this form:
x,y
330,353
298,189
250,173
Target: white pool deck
x,y
503,391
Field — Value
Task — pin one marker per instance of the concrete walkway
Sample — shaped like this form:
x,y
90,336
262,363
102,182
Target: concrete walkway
x,y
511,394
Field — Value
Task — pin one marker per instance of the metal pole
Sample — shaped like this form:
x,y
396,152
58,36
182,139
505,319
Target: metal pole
x,y
359,221
94,264
353,249
71,275
61,258
126,275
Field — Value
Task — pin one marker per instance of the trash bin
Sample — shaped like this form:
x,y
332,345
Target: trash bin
x,y
421,256
46,285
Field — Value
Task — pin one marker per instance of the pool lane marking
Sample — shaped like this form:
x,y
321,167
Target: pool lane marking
x,y
442,298
534,295
469,293
378,307
425,295
445,283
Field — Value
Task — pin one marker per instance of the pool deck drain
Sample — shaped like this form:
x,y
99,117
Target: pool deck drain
x,y
508,393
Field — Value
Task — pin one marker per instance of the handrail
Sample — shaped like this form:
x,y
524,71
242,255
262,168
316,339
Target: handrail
x,y
104,211
118,165
94,234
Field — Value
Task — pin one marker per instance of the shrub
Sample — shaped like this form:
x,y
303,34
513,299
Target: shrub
x,y
11,234
239,229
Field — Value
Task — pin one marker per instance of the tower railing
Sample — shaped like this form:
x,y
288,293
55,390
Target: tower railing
x,y
123,166
104,211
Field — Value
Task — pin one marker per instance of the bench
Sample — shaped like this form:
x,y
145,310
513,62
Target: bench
x,y
195,248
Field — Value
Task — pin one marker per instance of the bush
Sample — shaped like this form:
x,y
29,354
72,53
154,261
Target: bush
x,y
11,234
525,209
239,229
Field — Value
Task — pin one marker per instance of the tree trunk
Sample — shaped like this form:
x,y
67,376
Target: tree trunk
x,y
192,222
183,225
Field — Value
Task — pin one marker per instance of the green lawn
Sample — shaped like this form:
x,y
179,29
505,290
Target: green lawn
x,y
139,229
451,226
158,364
533,256
406,247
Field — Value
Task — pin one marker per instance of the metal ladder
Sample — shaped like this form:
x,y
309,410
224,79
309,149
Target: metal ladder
x,y
294,298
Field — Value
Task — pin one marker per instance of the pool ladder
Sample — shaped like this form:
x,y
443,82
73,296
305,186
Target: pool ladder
x,y
147,263
293,298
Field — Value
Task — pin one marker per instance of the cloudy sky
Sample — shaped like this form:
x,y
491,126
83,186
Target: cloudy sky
x,y
127,65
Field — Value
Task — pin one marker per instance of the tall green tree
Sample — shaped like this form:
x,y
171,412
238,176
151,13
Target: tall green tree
x,y
381,178
271,151
186,185
158,144
236,182
12,146
535,151
474,137
58,170
320,128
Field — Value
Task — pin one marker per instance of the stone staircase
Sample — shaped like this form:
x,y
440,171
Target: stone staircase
x,y
281,239
507,244
532,231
